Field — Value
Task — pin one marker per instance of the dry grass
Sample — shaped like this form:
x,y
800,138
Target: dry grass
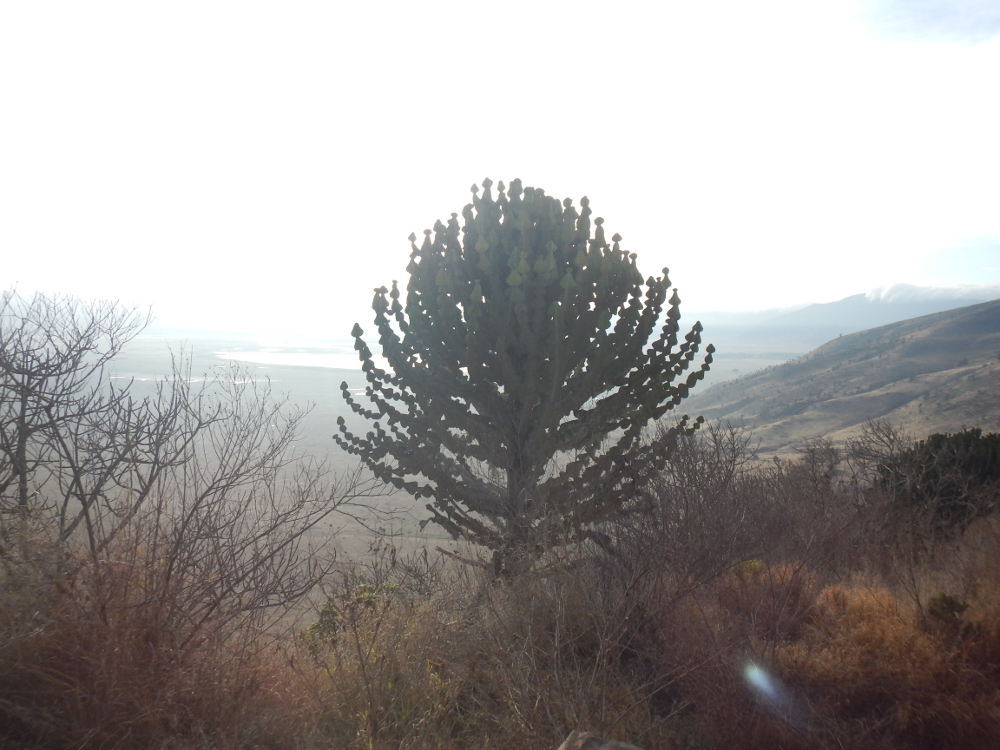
x,y
89,662
877,678
850,665
780,646
475,663
487,664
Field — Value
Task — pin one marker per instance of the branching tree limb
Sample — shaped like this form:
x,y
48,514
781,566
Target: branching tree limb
x,y
524,336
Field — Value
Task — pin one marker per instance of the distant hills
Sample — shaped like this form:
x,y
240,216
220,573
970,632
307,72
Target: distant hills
x,y
747,342
929,372
932,373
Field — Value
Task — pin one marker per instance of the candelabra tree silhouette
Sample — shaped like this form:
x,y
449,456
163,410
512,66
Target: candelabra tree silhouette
x,y
523,366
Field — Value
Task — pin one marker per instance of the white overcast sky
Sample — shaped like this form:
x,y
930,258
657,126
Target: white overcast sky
x,y
258,166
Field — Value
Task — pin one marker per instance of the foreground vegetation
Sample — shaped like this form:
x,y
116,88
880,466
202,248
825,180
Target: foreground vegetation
x,y
165,583
798,604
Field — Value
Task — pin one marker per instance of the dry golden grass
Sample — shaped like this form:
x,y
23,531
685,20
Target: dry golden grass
x,y
772,659
877,677
485,664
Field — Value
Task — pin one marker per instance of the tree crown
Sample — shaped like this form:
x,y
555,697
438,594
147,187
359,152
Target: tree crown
x,y
524,336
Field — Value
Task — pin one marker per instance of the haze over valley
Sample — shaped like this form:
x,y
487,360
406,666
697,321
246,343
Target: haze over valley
x,y
853,339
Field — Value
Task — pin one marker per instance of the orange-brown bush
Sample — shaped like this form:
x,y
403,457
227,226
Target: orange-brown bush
x,y
849,665
877,678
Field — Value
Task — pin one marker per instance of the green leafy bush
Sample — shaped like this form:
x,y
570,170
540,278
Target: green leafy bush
x,y
955,477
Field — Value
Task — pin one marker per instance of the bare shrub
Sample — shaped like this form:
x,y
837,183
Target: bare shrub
x,y
696,517
774,601
147,545
105,667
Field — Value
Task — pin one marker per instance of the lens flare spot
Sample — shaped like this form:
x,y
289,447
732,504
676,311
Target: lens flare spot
x,y
760,681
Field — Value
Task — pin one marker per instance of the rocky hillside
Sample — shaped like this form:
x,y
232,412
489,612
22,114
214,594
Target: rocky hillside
x,y
934,373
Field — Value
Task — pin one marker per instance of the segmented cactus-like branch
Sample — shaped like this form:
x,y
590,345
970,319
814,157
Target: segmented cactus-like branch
x,y
524,337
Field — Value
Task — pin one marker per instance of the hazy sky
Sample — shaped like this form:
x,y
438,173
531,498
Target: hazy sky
x,y
258,166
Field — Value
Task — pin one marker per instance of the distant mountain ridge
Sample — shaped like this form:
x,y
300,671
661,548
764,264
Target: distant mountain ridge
x,y
799,330
860,312
938,372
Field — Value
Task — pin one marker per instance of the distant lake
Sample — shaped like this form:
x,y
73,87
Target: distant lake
x,y
306,375
293,358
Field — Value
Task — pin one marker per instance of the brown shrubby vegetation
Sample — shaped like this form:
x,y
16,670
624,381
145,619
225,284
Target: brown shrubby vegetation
x,y
161,586
148,546
739,604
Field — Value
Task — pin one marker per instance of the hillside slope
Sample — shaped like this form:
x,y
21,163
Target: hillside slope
x,y
934,373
